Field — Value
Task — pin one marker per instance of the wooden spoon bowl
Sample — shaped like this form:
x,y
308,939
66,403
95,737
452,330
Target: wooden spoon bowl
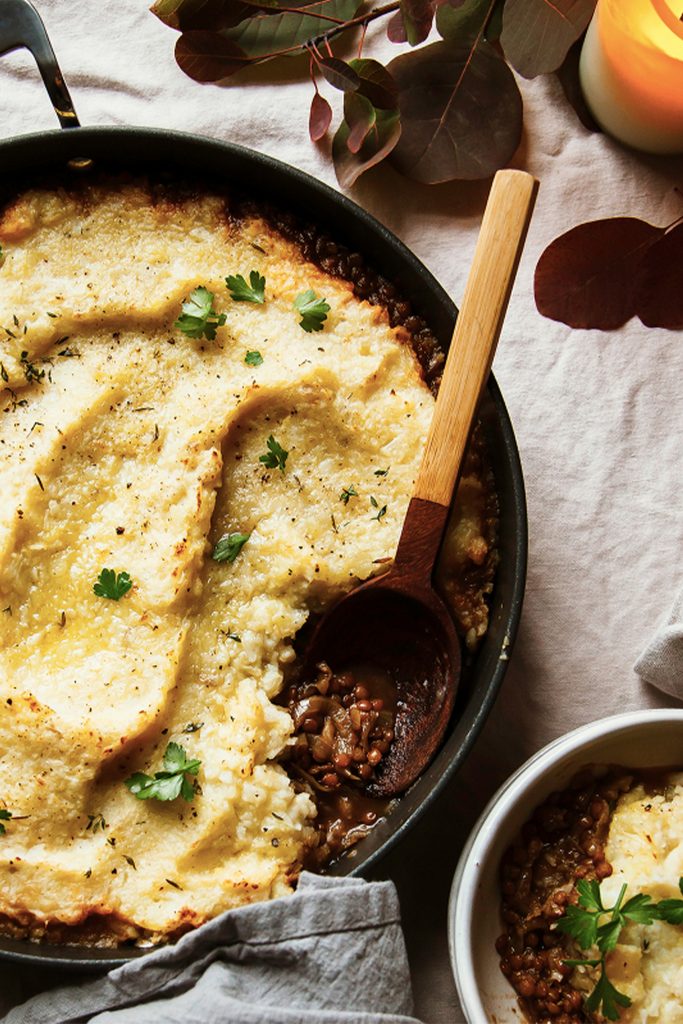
x,y
396,623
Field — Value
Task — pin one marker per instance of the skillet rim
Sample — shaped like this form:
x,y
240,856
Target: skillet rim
x,y
39,152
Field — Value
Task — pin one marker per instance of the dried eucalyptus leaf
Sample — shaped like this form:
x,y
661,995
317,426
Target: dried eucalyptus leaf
x,y
461,112
376,84
265,34
377,144
464,20
212,15
587,277
209,56
360,115
659,285
537,34
320,117
417,17
339,74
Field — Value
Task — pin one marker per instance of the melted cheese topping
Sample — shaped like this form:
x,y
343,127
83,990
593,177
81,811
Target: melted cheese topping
x,y
137,449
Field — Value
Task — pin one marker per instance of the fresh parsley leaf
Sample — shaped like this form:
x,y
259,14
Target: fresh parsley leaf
x,y
228,547
671,910
169,783
606,997
608,934
240,291
348,492
198,318
4,816
111,585
641,910
253,358
276,457
313,310
589,895
580,924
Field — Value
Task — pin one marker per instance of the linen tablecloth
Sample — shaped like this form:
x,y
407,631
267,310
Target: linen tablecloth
x,y
598,417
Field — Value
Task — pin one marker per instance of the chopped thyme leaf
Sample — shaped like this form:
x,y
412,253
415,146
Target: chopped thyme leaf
x,y
193,726
348,492
228,547
381,511
40,482
111,585
129,860
174,884
171,782
382,472
313,310
4,816
31,372
96,823
240,291
198,318
53,316
253,358
88,873
3,373
276,456
234,636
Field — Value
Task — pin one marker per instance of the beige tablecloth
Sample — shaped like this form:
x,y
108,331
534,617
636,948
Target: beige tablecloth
x,y
598,417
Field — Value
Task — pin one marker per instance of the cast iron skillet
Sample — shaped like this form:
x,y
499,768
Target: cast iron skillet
x,y
145,149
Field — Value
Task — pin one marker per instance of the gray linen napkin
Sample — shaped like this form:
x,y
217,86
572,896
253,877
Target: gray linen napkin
x,y
661,663
333,953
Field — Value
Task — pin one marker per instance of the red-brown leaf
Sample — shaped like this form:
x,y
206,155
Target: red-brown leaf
x,y
659,288
586,277
396,29
320,117
537,34
360,115
339,74
208,56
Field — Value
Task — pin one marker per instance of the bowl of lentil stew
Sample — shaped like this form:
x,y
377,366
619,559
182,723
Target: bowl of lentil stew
x,y
573,776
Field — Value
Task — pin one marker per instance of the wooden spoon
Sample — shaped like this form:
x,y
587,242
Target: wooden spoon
x,y
396,624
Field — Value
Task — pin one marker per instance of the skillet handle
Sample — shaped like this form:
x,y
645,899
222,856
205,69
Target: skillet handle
x,y
22,26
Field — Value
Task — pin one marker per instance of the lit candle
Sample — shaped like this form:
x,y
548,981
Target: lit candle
x,y
632,72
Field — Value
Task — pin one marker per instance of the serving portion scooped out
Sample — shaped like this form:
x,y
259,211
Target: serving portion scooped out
x,y
208,434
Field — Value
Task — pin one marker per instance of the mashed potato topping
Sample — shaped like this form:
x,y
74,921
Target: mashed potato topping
x,y
645,849
126,444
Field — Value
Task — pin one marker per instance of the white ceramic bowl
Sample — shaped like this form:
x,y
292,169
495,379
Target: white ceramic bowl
x,y
638,739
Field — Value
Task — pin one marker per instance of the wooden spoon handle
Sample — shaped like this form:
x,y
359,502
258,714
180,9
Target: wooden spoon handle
x,y
476,333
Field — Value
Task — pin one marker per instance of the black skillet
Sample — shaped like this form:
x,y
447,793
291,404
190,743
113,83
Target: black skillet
x,y
147,149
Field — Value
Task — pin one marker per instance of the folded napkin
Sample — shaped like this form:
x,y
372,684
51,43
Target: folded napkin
x,y
661,663
331,953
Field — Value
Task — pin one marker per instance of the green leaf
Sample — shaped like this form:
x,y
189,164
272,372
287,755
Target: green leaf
x,y
111,585
198,318
608,934
589,894
276,456
263,35
240,291
313,310
581,924
670,910
348,492
606,997
537,34
640,909
253,358
171,782
461,112
228,547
